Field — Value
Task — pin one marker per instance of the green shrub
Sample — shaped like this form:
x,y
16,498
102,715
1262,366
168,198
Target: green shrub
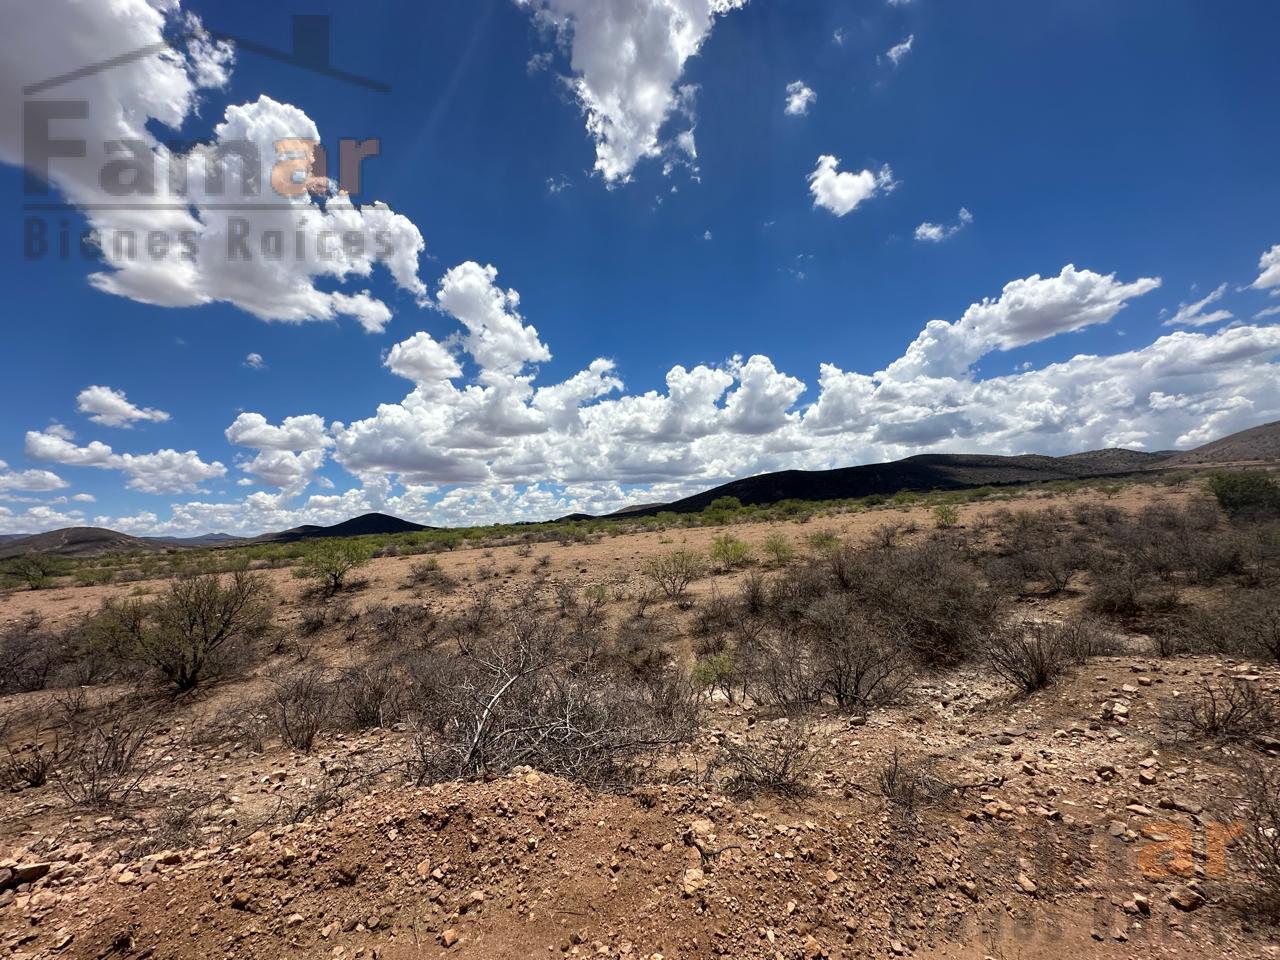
x,y
329,562
823,541
946,516
1249,493
778,549
729,553
674,572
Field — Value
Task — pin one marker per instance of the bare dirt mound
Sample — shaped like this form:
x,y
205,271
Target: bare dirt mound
x,y
533,866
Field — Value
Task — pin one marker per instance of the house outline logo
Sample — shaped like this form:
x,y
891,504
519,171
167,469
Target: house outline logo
x,y
311,42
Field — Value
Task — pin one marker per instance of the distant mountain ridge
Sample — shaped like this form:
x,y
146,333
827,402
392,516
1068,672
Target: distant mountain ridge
x,y
922,473
925,472
95,541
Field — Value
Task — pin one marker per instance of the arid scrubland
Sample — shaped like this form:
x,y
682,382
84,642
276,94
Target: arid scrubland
x,y
1003,725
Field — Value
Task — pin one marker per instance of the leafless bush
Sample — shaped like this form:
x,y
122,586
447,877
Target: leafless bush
x,y
32,763
780,762
517,697
1258,845
234,725
1225,710
29,655
312,620
933,598
1030,655
857,662
674,572
106,761
909,786
1117,590
1245,625
299,706
369,696
403,624
1084,637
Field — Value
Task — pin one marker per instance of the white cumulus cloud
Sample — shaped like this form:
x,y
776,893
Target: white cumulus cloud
x,y
842,192
800,97
112,408
938,232
626,60
1269,271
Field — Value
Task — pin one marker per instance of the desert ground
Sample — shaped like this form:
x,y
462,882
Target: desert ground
x,y
941,810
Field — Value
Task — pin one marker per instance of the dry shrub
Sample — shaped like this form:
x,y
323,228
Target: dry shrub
x,y
1258,845
909,786
299,706
106,759
234,725
1225,709
1248,624
369,696
780,762
934,599
858,663
402,624
32,763
427,573
520,696
1117,591
1031,655
674,572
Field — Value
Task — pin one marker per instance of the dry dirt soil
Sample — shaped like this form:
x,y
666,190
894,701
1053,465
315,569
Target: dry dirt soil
x,y
1078,826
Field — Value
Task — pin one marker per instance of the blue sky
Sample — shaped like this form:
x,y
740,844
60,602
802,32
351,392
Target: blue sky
x,y
640,273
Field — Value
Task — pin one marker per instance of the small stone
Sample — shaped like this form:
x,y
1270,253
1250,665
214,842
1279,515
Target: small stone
x,y
449,937
1184,898
1025,883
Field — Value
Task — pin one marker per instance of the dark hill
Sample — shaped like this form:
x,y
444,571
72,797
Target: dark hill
x,y
931,471
363,526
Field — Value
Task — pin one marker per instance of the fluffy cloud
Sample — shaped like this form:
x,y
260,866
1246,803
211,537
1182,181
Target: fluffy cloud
x,y
1193,315
840,191
800,98
165,471
162,220
306,432
626,59
1269,271
254,361
1027,310
29,481
288,455
937,232
497,337
112,408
